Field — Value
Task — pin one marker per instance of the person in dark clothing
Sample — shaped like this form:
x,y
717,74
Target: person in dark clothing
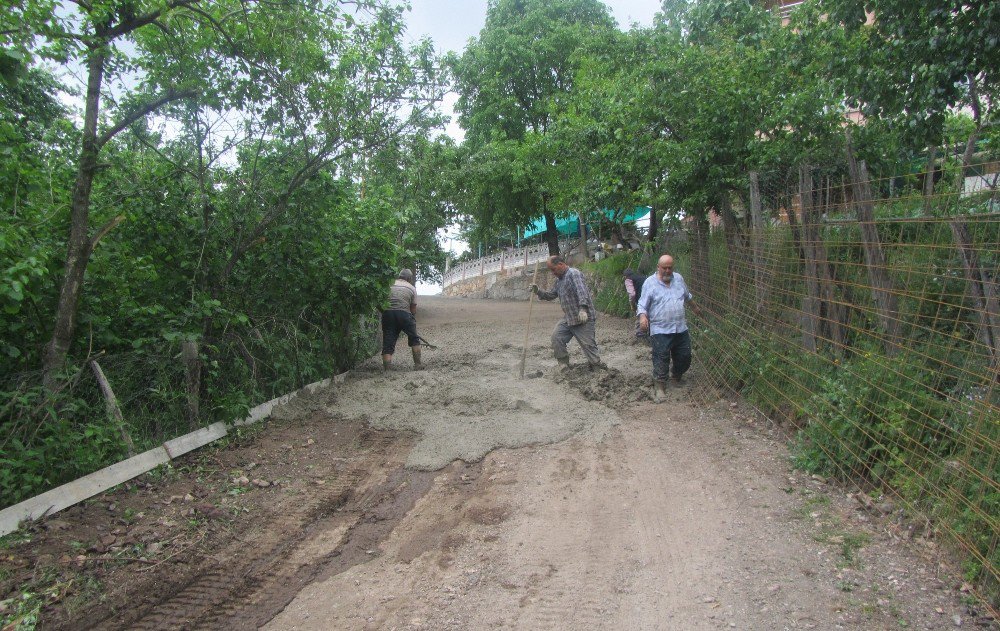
x,y
401,317
633,287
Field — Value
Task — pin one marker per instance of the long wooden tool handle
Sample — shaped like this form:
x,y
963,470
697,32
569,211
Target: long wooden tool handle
x,y
527,327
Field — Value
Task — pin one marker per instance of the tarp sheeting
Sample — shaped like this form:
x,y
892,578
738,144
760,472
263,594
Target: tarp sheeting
x,y
571,225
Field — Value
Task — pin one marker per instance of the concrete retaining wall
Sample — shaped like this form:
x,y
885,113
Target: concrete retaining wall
x,y
497,286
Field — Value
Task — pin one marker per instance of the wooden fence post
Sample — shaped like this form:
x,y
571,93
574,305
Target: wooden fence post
x,y
811,304
192,380
883,290
757,242
111,404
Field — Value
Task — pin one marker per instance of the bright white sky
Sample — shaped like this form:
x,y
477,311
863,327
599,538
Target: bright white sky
x,y
450,24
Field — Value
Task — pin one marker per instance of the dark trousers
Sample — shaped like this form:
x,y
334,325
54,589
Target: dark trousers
x,y
393,323
667,347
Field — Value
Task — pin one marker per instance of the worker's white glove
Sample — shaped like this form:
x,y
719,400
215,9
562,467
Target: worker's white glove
x,y
533,288
582,316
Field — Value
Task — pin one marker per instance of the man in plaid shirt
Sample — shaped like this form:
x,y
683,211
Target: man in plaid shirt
x,y
580,316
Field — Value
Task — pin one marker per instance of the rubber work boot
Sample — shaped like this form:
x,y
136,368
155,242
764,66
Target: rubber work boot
x,y
563,364
386,363
659,391
416,359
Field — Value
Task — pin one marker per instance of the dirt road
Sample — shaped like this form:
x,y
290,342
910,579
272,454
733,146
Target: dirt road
x,y
461,497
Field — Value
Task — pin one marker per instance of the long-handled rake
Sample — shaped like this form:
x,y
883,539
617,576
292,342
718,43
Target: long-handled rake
x,y
527,327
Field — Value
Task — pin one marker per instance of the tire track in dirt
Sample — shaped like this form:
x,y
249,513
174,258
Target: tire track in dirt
x,y
246,567
247,583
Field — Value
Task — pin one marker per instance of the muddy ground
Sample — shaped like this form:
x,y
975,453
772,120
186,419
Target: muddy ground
x,y
462,497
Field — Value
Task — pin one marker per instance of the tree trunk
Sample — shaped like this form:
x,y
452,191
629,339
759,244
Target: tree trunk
x,y
583,237
79,247
551,233
883,289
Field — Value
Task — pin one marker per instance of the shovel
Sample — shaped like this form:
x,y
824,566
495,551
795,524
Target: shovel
x,y
426,343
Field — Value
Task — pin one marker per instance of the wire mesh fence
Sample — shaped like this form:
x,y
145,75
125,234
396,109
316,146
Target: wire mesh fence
x,y
863,312
52,436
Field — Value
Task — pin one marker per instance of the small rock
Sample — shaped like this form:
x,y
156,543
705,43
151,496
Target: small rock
x,y
112,506
708,599
154,548
189,498
242,480
957,619
210,511
261,483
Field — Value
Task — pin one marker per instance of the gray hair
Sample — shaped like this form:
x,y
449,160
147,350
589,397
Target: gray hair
x,y
406,275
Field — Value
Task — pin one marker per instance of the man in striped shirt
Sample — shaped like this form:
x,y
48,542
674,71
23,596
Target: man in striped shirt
x,y
580,317
661,314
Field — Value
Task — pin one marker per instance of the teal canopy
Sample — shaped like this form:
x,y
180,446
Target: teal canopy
x,y
571,225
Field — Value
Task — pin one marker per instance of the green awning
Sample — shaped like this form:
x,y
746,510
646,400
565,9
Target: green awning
x,y
571,225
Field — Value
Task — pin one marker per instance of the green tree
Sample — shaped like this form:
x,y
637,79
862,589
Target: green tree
x,y
913,61
511,81
328,94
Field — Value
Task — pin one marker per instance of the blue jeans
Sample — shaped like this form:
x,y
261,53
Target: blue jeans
x,y
667,346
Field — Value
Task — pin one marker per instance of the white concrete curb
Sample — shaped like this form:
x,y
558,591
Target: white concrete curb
x,y
99,481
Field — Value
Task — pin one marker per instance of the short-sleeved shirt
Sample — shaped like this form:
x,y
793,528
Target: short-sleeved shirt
x,y
664,304
574,296
633,285
402,295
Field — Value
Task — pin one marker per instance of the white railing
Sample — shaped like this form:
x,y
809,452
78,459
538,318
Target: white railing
x,y
505,261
